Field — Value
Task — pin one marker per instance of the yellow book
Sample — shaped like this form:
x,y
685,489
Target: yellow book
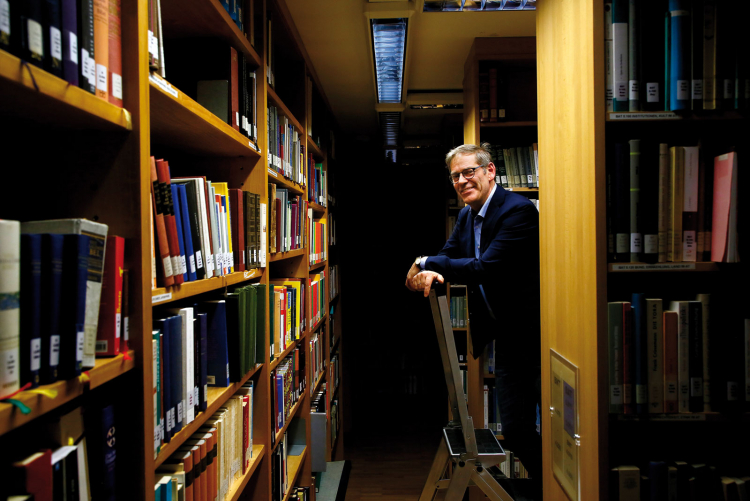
x,y
676,196
223,190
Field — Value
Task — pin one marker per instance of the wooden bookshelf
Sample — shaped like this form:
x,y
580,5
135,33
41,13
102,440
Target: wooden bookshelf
x,y
318,210
670,116
661,267
275,100
294,470
241,276
278,178
318,266
239,485
292,414
280,256
105,370
317,153
32,93
163,295
215,397
180,122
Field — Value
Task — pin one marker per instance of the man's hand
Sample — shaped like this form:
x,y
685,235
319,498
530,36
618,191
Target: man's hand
x,y
422,281
412,272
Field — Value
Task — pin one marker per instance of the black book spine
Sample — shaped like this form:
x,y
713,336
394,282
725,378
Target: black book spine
x,y
7,30
86,61
696,55
32,32
695,355
53,37
648,213
621,201
652,43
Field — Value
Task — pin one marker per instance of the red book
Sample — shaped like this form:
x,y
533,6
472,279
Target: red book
x,y
110,307
669,340
161,230
115,53
162,171
101,47
212,472
33,475
724,220
182,459
237,203
235,118
628,360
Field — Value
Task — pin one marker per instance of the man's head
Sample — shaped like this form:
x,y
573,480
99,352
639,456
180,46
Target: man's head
x,y
473,162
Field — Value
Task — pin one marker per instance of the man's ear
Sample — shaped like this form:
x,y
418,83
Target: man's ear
x,y
491,170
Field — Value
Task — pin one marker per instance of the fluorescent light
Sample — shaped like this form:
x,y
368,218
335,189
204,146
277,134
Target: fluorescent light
x,y
389,43
390,122
477,5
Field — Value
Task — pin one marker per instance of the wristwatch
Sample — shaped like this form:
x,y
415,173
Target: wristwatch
x,y
418,262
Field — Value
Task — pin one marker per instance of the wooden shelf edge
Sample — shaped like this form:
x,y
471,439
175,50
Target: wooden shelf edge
x,y
277,177
316,151
162,295
38,80
318,324
292,414
296,465
320,380
317,266
281,356
670,116
317,209
517,123
743,417
663,267
276,101
105,370
241,276
239,485
219,400
280,256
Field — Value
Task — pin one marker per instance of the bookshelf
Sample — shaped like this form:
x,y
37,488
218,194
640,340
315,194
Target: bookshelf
x,y
110,148
577,279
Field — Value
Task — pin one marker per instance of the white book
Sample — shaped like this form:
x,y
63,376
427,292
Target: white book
x,y
188,366
705,300
97,233
10,286
690,203
654,338
83,471
683,357
263,235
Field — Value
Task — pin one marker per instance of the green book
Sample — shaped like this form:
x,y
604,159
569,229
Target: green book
x,y
252,323
156,353
260,331
242,324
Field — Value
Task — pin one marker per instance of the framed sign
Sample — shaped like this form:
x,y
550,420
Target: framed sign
x,y
564,433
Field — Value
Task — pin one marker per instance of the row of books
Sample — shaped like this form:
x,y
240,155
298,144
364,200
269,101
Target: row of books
x,y
334,371
684,358
459,312
203,228
317,187
317,356
677,480
300,494
334,281
335,421
671,204
512,467
675,55
281,476
318,297
492,409
212,459
516,167
287,220
318,248
285,147
285,384
80,465
243,14
212,343
287,310
493,92
331,229
63,300
79,41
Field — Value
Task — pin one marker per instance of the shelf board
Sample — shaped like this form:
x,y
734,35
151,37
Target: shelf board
x,y
162,295
204,18
313,148
278,357
239,485
460,329
106,369
317,266
670,116
278,178
294,467
56,102
292,413
241,276
520,123
523,190
280,256
216,397
179,121
683,417
320,322
320,380
489,376
275,100
652,267
318,210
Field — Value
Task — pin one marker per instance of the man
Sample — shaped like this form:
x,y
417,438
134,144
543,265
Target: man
x,y
494,251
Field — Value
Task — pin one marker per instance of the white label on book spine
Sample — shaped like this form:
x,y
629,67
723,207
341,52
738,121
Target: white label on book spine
x,y
237,119
55,38
101,78
126,329
36,354
728,88
651,244
641,394
636,242
192,263
167,262
732,391
198,260
652,92
697,89
116,86
35,37
688,247
183,264
54,350
9,368
205,392
79,343
504,179
73,42
683,90
153,44
615,394
179,410
118,316
5,17
634,90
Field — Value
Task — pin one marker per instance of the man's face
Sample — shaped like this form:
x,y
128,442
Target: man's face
x,y
474,191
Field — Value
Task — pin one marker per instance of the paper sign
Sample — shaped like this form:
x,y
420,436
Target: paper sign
x,y
564,424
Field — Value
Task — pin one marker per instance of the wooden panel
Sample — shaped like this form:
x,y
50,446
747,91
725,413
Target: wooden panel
x,y
313,148
572,223
33,93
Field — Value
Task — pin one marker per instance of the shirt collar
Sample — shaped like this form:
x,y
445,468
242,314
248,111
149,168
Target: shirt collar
x,y
483,210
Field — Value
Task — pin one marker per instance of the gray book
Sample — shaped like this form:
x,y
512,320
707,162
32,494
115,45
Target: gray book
x,y
634,59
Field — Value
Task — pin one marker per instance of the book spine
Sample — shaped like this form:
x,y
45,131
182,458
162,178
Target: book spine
x,y
101,46
655,355
86,63
32,36
52,267
634,59
31,284
180,234
690,204
162,170
710,87
115,52
493,92
187,233
628,364
671,332
636,239
679,94
695,354
620,14
664,201
683,358
7,35
159,223
110,305
70,41
652,37
615,325
696,54
622,202
640,348
705,300
75,273
677,193
53,37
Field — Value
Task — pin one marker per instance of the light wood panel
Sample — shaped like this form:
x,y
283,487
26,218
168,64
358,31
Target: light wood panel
x,y
570,73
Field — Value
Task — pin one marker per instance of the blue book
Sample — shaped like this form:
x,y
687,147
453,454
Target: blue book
x,y
109,452
73,304
52,259
31,293
279,400
218,356
679,64
234,344
178,220
166,370
175,332
187,235
640,355
158,422
620,53
201,333
659,475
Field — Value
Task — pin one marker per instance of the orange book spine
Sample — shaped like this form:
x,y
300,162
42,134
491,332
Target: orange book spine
x,y
101,46
115,53
162,171
161,229
671,326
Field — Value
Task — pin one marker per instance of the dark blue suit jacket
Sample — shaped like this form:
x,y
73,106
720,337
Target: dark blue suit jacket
x,y
508,270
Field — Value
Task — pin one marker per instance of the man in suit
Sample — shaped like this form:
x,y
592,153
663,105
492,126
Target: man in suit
x,y
494,251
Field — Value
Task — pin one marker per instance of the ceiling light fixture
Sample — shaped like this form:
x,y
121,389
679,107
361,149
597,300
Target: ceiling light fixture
x,y
477,5
390,123
389,44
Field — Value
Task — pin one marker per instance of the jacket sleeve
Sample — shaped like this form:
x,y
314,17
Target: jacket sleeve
x,y
510,246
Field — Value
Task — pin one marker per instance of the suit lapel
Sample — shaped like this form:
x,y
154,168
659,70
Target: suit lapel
x,y
491,216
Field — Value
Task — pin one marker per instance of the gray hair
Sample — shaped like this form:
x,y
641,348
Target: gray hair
x,y
481,154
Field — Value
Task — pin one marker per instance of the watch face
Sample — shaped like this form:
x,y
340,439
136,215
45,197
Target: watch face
x,y
417,261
